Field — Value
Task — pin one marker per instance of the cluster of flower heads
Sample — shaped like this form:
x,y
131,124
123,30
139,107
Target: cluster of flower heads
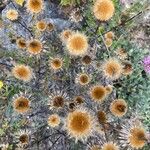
x,y
80,123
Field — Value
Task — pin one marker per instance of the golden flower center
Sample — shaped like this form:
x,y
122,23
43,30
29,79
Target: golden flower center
x,y
58,101
77,43
80,122
24,138
86,59
56,63
22,72
98,92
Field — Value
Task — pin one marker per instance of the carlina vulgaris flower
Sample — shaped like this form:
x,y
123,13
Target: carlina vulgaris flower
x,y
35,6
137,137
23,137
77,44
103,9
53,120
21,43
22,72
118,107
133,134
21,103
98,93
80,124
83,79
65,34
112,69
72,106
41,25
57,100
146,64
12,14
56,63
34,46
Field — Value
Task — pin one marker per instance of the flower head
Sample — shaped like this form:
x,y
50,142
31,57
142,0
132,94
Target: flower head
x,y
41,25
79,124
137,137
53,120
23,137
56,63
57,100
21,43
34,47
118,107
21,104
12,14
77,44
83,79
98,93
103,9
112,69
22,72
35,6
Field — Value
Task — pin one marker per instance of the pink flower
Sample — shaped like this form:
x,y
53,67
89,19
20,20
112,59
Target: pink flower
x,y
146,63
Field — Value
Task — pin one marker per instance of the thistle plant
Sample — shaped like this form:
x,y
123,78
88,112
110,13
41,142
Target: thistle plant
x,y
72,76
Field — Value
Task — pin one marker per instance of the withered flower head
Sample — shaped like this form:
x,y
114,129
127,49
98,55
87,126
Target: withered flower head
x,y
137,137
118,107
22,72
53,120
103,9
79,124
12,14
41,25
98,93
21,104
35,6
112,69
21,43
34,47
77,44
